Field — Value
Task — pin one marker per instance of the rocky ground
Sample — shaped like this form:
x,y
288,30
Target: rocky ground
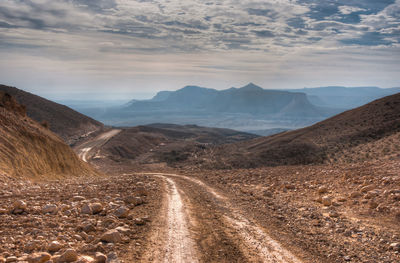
x,y
104,219
334,213
155,213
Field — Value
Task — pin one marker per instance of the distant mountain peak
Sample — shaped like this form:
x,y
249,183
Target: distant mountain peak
x,y
251,86
191,87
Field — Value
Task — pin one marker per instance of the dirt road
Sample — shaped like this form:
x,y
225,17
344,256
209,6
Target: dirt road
x,y
198,224
86,150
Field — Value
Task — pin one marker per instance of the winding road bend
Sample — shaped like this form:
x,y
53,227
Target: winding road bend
x,y
85,150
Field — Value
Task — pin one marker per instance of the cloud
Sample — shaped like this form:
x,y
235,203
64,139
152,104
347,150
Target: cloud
x,y
115,33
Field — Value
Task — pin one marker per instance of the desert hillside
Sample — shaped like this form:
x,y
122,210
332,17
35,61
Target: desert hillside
x,y
64,121
27,149
347,137
165,143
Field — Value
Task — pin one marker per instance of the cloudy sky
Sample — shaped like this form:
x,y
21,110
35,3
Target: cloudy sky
x,y
123,48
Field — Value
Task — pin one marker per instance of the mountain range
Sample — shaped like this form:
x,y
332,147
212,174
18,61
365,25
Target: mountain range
x,y
249,108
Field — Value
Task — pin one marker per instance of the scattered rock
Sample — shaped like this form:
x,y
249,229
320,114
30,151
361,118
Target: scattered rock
x,y
395,247
122,212
355,194
54,246
112,258
134,200
334,214
100,257
78,198
326,200
367,188
322,190
290,186
11,259
139,221
88,227
40,257
85,259
19,207
96,208
373,204
32,245
70,255
86,209
50,209
140,190
111,236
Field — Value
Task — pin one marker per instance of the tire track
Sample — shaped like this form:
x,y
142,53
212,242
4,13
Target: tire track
x,y
254,242
84,149
171,241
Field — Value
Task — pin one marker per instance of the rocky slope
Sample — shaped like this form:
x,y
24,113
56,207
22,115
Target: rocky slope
x,y
328,141
67,123
27,149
